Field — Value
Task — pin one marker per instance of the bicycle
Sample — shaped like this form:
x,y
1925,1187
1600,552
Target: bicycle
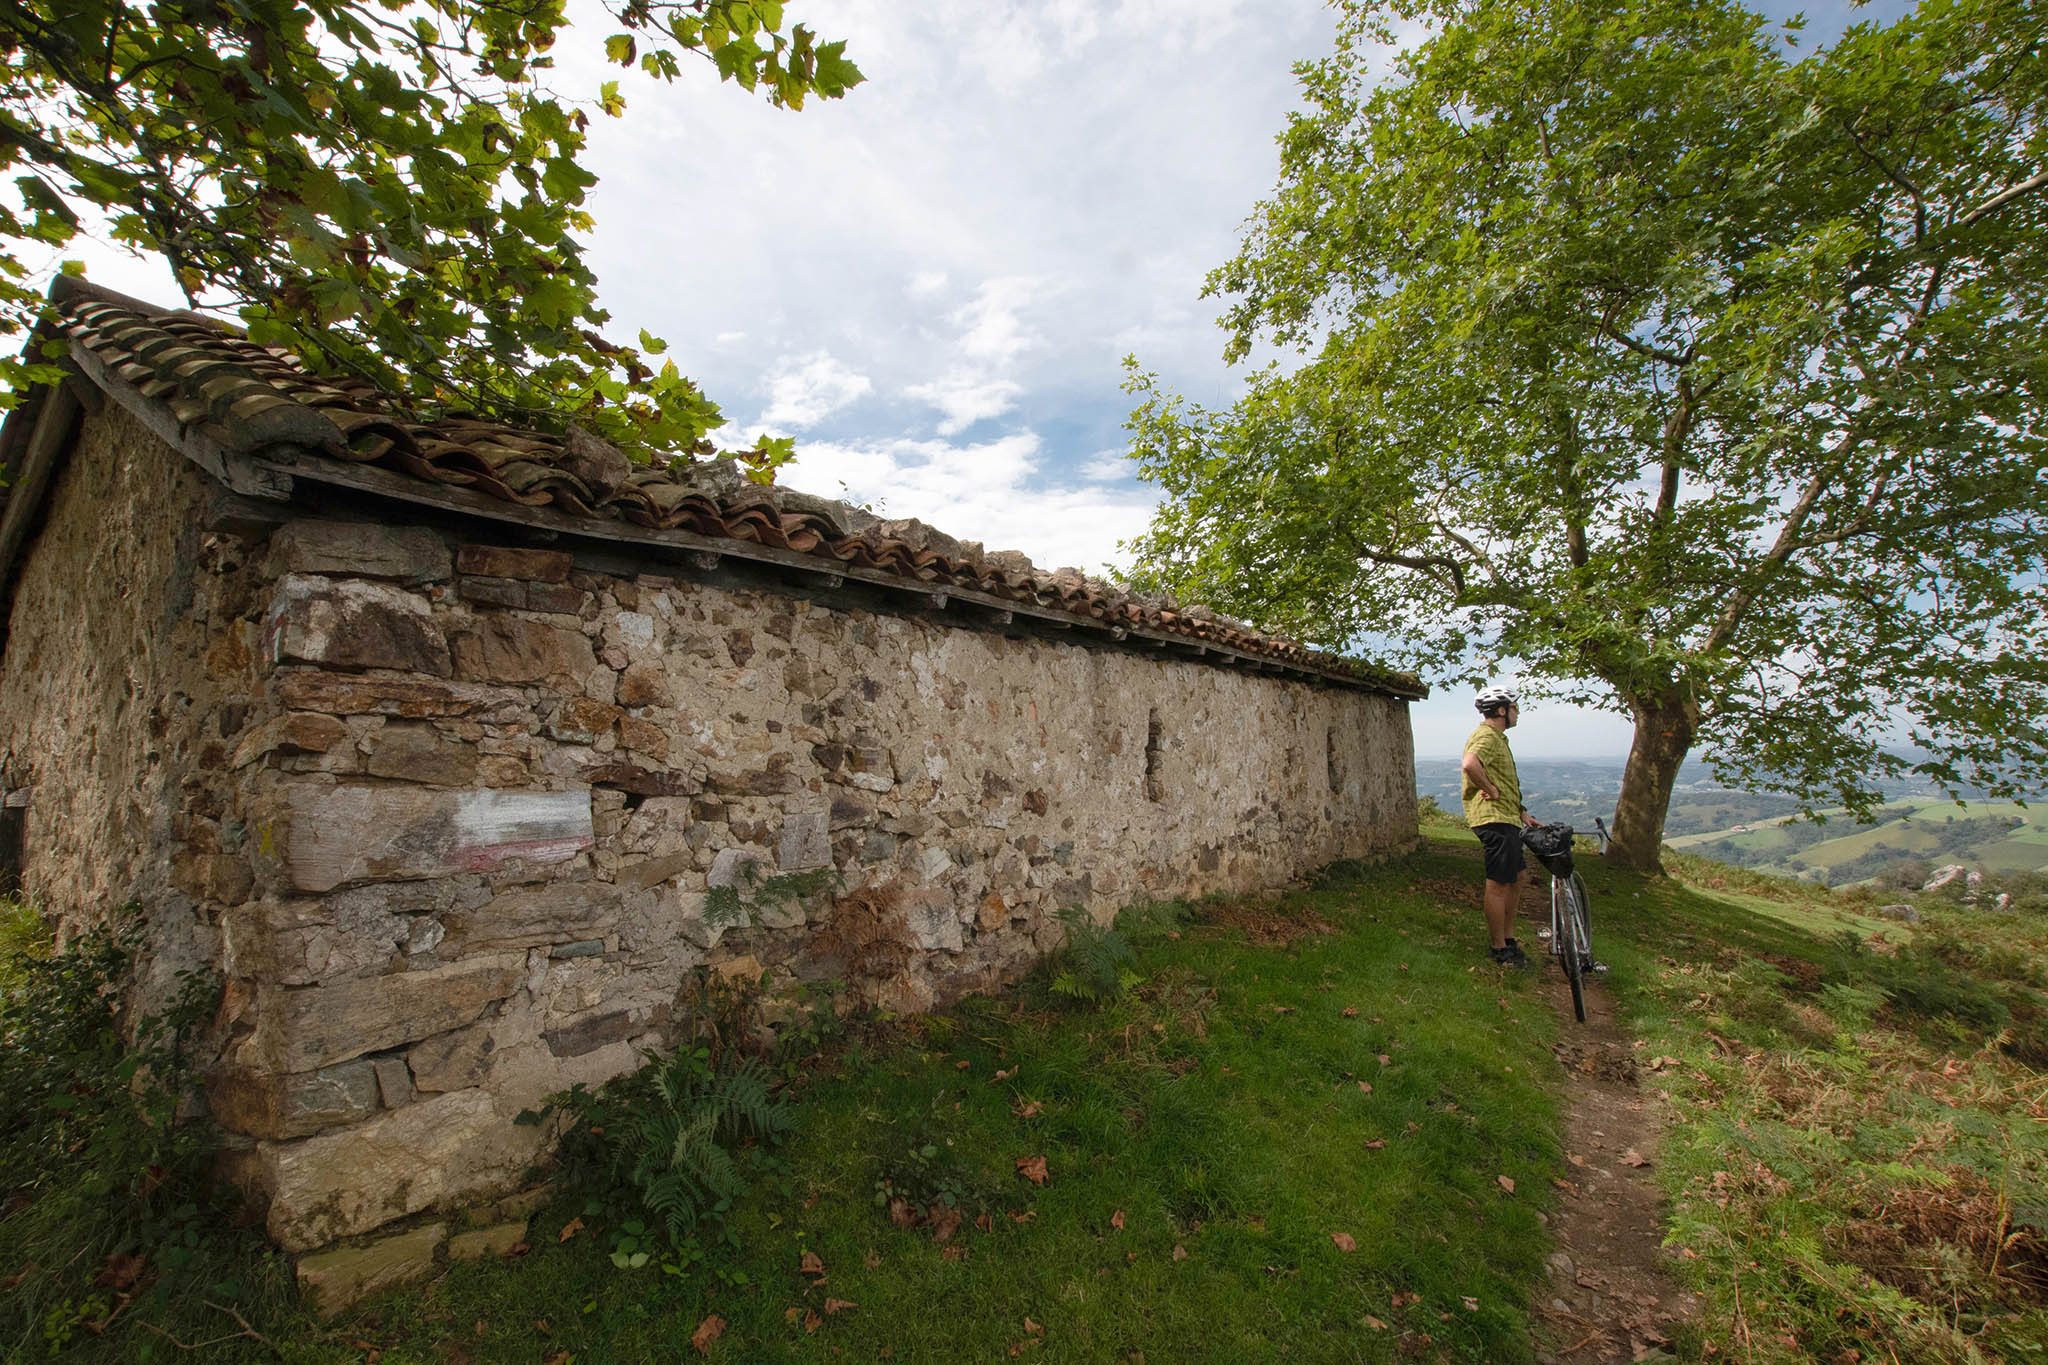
x,y
1570,932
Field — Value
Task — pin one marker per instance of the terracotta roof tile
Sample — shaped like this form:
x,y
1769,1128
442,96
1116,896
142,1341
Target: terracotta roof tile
x,y
249,399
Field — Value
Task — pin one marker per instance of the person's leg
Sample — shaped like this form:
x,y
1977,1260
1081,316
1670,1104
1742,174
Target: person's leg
x,y
1500,910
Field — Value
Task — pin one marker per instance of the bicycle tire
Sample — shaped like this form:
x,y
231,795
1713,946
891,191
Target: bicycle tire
x,y
1578,949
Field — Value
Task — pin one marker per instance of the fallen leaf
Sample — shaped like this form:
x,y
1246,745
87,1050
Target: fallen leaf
x,y
1283,1009
1401,967
1385,1060
1632,1157
540,1325
1403,1298
960,1065
1563,1184
945,1222
1414,1127
120,1271
1576,1160
1345,1241
483,1327
810,1264
708,1331
986,1222
1022,1216
1116,1220
811,1320
902,1215
1180,1253
1365,1087
1033,1329
1375,1144
838,1305
1348,1012
1375,1323
1505,1182
517,1249
1026,1111
1471,1304
552,1358
1002,1075
955,1252
1032,1168
793,1312
570,1229
872,1259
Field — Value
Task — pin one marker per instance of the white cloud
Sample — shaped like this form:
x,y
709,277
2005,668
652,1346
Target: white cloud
x,y
1108,467
966,396
804,390
990,491
925,283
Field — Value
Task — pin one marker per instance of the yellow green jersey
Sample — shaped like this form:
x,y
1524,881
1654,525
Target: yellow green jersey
x,y
1499,762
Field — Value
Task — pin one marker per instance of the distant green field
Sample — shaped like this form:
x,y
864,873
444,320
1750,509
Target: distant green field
x,y
1925,833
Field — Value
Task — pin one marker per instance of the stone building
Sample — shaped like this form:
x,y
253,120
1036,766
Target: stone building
x,y
456,749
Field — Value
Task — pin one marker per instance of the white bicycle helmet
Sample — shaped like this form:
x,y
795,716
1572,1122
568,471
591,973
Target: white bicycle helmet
x,y
1494,699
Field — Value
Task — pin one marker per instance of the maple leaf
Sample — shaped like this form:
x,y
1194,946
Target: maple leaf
x,y
1349,1012
1033,1329
1026,1111
1634,1158
902,1215
1116,1220
872,1259
1385,1060
708,1331
570,1229
1505,1182
1180,1253
955,1252
1405,1297
960,1065
833,1306
1375,1144
1002,1075
1471,1304
811,1320
1345,1241
1375,1323
1365,1087
1032,1168
1576,1159
986,1222
1024,1216
811,1265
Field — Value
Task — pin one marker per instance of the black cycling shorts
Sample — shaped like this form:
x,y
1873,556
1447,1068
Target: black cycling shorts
x,y
1503,846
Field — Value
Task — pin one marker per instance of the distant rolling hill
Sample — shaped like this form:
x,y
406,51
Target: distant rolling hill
x,y
1918,826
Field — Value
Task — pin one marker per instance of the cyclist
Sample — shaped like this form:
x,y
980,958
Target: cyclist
x,y
1494,810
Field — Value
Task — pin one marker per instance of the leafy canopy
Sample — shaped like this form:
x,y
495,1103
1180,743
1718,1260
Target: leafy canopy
x,y
1702,377
387,187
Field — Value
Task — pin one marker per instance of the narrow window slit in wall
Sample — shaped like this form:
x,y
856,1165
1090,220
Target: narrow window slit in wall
x,y
1155,790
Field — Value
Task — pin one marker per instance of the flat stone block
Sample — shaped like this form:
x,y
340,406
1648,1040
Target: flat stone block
x,y
352,624
359,550
303,1030
266,1104
335,1279
495,1241
503,561
511,649
351,833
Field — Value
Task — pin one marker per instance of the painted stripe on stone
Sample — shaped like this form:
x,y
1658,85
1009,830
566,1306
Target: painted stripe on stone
x,y
355,833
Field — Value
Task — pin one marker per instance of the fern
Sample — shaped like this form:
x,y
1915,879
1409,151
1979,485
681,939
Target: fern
x,y
1097,965
682,1134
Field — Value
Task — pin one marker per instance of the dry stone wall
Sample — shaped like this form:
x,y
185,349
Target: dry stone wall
x,y
471,817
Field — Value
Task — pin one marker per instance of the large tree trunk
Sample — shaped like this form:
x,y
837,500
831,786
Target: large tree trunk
x,y
1665,725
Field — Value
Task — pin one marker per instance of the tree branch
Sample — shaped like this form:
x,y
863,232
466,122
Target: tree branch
x,y
1419,563
2004,197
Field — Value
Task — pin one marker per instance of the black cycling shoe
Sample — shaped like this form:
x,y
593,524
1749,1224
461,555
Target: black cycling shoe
x,y
1509,956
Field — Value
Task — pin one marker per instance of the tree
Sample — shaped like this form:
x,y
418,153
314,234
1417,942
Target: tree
x,y
1702,378
387,187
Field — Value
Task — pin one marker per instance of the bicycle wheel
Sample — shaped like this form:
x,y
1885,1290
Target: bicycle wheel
x,y
1578,946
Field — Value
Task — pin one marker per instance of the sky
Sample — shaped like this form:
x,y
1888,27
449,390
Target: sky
x,y
931,284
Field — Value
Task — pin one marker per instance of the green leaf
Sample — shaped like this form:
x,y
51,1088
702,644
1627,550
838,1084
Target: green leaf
x,y
620,49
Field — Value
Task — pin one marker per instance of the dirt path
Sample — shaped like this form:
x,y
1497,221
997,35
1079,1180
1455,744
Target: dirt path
x,y
1611,1295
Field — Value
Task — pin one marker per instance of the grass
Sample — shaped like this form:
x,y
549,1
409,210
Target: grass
x,y
1859,1161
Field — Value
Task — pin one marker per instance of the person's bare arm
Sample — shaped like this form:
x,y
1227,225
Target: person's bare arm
x,y
1476,770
